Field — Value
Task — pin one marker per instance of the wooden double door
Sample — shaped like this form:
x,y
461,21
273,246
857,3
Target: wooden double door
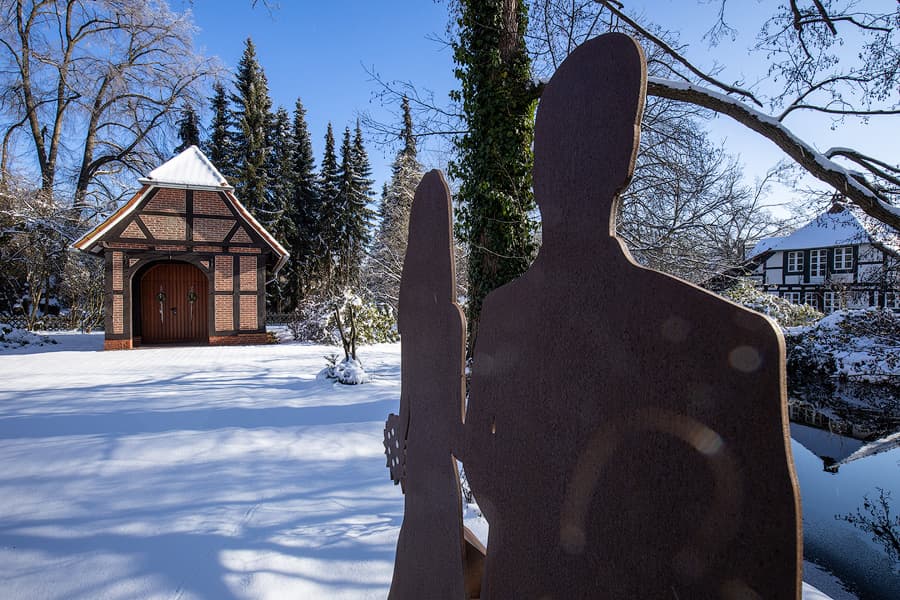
x,y
174,299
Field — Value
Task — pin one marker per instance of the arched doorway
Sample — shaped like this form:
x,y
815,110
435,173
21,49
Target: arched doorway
x,y
173,304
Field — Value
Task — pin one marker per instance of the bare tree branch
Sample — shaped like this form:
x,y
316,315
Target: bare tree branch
x,y
812,161
677,55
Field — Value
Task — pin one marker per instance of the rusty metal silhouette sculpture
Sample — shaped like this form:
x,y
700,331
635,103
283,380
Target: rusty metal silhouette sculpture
x,y
626,432
431,549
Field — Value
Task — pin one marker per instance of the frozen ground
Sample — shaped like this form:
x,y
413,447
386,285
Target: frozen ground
x,y
186,473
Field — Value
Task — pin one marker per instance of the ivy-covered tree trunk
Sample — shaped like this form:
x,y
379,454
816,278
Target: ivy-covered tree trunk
x,y
494,160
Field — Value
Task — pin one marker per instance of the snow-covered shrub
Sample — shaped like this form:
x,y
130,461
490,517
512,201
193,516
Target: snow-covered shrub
x,y
785,313
853,344
348,371
849,358
317,321
10,337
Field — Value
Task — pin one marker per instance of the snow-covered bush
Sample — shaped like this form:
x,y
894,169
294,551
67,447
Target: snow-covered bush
x,y
348,371
10,337
317,321
862,345
848,359
785,313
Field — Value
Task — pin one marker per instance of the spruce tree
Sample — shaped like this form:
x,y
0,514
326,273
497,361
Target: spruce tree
x,y
389,249
252,115
494,160
347,270
329,219
219,148
303,210
275,214
359,215
188,130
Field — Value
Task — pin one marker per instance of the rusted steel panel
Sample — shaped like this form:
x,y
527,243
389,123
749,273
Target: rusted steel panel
x,y
430,559
626,432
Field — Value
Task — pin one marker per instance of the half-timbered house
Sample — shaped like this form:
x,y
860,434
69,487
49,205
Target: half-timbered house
x,y
186,263
832,262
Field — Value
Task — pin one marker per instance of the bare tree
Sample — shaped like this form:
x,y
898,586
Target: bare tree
x,y
36,235
89,85
832,60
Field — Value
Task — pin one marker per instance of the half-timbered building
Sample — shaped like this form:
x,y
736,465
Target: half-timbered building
x,y
186,263
832,262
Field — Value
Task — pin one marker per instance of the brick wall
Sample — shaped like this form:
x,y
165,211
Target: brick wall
x,y
248,274
248,318
133,231
224,276
209,203
118,314
165,228
167,200
237,340
117,344
224,313
128,245
211,230
242,250
240,237
117,259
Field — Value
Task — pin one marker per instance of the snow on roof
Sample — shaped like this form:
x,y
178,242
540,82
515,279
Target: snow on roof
x,y
764,244
837,227
190,168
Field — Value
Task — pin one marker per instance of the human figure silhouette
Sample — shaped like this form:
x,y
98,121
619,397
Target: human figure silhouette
x,y
626,431
430,549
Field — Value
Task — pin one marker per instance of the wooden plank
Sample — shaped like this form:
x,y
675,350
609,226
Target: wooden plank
x,y
176,319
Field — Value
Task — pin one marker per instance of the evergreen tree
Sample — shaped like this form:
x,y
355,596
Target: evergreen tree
x,y
494,155
347,269
188,130
329,218
358,226
303,211
275,216
253,117
219,148
389,250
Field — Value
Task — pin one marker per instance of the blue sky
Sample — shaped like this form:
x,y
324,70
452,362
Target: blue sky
x,y
319,50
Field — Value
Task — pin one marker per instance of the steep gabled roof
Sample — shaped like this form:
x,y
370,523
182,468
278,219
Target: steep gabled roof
x,y
839,226
188,170
764,245
191,169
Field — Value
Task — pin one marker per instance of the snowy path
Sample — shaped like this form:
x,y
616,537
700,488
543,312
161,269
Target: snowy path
x,y
185,473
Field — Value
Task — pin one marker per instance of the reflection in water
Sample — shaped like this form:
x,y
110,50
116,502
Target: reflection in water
x,y
841,474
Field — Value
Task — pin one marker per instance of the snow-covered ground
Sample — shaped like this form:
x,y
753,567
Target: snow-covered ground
x,y
205,472
200,472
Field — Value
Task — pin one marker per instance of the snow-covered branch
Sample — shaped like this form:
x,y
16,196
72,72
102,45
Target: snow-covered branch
x,y
813,161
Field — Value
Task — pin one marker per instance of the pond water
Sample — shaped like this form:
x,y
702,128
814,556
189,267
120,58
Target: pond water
x,y
837,473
